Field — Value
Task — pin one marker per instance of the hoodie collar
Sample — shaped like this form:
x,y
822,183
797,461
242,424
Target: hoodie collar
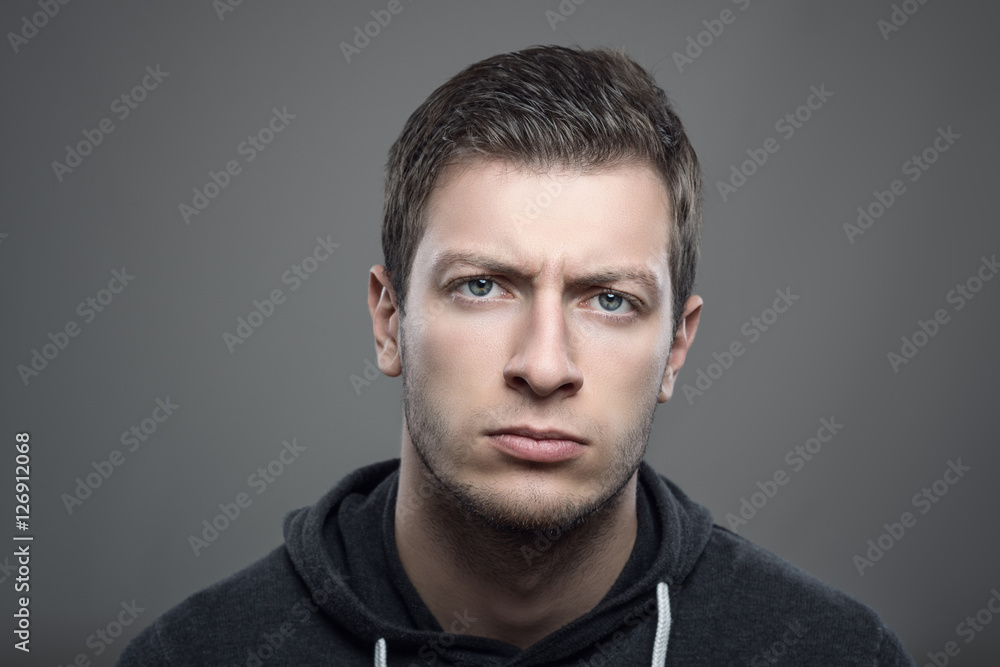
x,y
345,546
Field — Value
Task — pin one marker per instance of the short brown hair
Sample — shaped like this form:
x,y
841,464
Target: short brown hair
x,y
544,106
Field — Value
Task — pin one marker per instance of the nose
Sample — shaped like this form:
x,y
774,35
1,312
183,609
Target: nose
x,y
542,359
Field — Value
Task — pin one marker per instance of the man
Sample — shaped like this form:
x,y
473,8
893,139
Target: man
x,y
540,233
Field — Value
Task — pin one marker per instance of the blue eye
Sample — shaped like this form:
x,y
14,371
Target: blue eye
x,y
612,305
480,286
611,302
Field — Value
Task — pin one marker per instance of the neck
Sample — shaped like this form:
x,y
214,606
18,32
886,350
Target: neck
x,y
518,587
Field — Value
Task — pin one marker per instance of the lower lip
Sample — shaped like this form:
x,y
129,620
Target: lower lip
x,y
541,451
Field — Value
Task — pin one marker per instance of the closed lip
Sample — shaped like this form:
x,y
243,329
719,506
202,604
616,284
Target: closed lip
x,y
540,433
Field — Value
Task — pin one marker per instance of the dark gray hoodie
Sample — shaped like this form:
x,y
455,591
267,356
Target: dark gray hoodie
x,y
691,593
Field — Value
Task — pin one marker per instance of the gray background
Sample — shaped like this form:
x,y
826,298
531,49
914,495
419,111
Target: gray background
x,y
162,336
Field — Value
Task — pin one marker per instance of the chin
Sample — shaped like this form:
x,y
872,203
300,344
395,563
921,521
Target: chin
x,y
522,505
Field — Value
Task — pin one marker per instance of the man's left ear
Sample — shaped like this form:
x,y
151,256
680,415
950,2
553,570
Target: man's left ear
x,y
686,330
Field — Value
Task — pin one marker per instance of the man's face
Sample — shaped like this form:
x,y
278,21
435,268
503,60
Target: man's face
x,y
537,301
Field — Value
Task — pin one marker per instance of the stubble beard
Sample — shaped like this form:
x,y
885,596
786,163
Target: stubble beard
x,y
504,513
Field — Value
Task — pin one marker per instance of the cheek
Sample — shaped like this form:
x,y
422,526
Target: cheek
x,y
621,361
457,355
620,388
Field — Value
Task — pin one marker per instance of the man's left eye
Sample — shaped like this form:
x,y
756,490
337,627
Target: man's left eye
x,y
480,286
612,302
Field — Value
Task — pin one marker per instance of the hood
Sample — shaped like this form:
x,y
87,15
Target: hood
x,y
344,550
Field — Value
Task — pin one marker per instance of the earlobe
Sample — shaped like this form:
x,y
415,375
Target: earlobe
x,y
686,330
385,320
667,387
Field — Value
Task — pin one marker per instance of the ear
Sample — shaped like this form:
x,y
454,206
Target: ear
x,y
385,320
683,338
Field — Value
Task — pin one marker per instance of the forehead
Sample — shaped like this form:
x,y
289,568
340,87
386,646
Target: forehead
x,y
558,220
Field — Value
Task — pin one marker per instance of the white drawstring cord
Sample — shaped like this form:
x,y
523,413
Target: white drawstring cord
x,y
662,624
659,644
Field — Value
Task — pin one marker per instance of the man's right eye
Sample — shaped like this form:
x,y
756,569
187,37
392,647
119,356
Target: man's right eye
x,y
476,287
480,286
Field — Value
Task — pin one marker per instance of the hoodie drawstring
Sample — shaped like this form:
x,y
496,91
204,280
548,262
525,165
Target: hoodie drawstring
x,y
659,643
662,624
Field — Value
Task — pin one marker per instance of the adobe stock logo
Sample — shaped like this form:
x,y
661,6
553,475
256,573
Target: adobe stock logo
x,y
929,328
103,469
230,512
371,373
250,147
772,654
362,38
566,9
752,329
769,488
696,44
786,125
967,630
431,651
543,542
924,500
898,17
914,168
264,309
88,310
122,106
222,7
105,636
38,20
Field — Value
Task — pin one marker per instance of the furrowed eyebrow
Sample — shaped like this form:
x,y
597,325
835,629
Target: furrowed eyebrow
x,y
491,265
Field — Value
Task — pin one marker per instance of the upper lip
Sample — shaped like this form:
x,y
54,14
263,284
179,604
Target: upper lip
x,y
540,433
